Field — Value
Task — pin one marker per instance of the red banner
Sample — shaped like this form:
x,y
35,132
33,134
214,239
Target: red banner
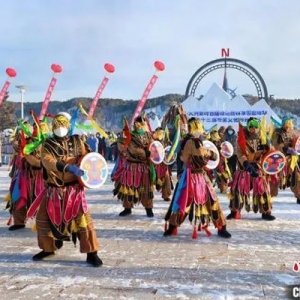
x,y
144,98
4,90
97,96
47,98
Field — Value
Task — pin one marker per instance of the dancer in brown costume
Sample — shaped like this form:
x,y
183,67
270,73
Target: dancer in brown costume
x,y
61,208
163,171
136,179
249,175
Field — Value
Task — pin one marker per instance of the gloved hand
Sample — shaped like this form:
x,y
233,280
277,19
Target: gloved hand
x,y
264,147
250,169
75,170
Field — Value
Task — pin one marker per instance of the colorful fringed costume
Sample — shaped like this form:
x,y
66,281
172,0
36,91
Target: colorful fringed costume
x,y
61,208
26,182
163,171
249,175
194,194
222,172
135,179
282,140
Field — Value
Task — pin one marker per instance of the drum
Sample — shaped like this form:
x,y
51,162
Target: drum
x,y
211,146
173,158
95,170
273,162
157,151
226,149
296,144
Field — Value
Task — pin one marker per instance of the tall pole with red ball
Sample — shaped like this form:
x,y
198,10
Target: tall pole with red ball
x,y
159,67
109,68
11,73
56,69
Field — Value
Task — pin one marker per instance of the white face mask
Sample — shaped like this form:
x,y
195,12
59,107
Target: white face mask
x,y
61,131
230,132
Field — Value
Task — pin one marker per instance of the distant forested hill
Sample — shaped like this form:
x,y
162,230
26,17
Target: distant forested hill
x,y
110,112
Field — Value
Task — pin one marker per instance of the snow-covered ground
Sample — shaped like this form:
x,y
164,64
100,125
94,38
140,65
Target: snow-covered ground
x,y
139,263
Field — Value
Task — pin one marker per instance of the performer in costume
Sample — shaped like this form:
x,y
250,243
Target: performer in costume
x,y
282,140
198,199
222,172
137,177
249,174
24,175
231,137
163,171
61,208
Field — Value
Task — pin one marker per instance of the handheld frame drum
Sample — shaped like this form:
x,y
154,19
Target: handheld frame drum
x,y
95,170
157,151
212,164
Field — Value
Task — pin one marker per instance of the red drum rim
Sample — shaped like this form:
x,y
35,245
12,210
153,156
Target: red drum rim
x,y
277,165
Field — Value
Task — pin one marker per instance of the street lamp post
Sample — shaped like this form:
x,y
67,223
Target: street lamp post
x,y
22,88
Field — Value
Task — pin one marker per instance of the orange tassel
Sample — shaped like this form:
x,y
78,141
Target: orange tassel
x,y
205,228
174,231
195,233
237,215
9,222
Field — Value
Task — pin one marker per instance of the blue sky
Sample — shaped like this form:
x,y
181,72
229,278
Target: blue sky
x,y
82,35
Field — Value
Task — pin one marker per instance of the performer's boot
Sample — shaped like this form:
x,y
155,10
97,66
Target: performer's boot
x,y
231,215
58,244
224,233
41,255
16,227
170,230
125,212
149,212
298,200
167,199
93,259
268,217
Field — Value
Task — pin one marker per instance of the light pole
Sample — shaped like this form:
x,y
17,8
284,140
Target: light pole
x,y
22,88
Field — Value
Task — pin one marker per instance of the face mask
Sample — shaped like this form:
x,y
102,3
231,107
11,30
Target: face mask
x,y
230,132
61,131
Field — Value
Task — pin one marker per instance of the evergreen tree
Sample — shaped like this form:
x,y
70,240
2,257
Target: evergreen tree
x,y
7,114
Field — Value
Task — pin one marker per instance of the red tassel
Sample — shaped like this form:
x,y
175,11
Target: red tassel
x,y
219,226
242,138
205,228
195,233
174,231
9,222
237,215
166,226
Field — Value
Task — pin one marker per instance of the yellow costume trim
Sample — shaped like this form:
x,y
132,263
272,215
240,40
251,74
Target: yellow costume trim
x,y
33,227
74,227
83,222
7,198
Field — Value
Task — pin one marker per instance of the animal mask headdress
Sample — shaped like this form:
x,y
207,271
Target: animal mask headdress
x,y
158,133
287,123
195,127
253,123
60,121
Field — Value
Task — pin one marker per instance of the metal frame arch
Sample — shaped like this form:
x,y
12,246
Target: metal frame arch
x,y
228,63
